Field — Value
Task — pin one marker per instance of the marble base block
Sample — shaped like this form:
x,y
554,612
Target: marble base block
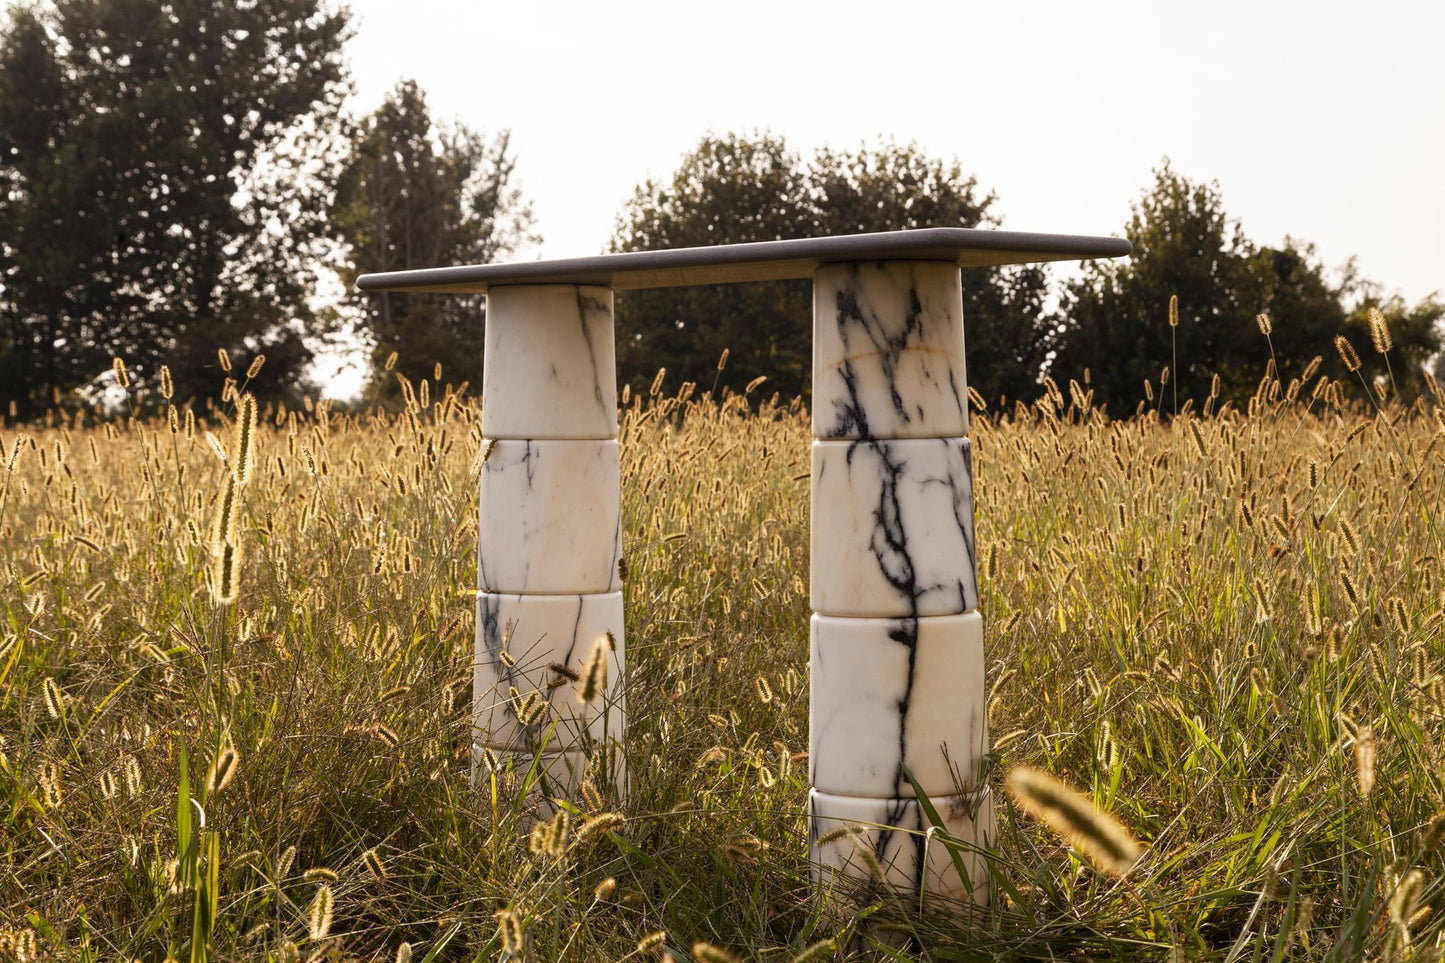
x,y
550,518
549,367
556,775
885,841
887,693
547,639
888,351
892,528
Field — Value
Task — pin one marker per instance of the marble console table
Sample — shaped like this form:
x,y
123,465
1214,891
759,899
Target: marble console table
x,y
897,664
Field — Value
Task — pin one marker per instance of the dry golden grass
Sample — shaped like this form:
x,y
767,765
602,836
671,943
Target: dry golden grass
x,y
1212,625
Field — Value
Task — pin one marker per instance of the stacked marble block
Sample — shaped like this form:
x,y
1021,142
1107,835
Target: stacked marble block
x,y
549,541
896,656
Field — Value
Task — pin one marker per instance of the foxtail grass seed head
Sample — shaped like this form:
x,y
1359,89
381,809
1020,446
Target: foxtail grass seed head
x,y
54,699
1351,592
245,438
224,358
50,788
1096,834
539,840
1314,623
1365,759
509,932
488,761
255,367
320,874
594,672
403,953
564,673
1173,310
1265,326
168,387
375,865
561,824
1434,834
1379,330
224,528
652,941
283,865
707,953
223,770
390,362
225,574
122,378
1406,897
1198,436
1399,613
823,949
598,825
604,890
318,920
1347,352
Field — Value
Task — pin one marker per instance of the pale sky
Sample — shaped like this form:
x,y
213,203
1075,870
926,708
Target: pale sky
x,y
1321,120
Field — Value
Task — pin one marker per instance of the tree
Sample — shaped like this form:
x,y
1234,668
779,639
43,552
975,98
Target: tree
x,y
162,168
416,194
1115,325
1414,335
1117,314
733,189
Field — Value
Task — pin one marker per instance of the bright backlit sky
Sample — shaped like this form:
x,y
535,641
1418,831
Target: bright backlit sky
x,y
1321,120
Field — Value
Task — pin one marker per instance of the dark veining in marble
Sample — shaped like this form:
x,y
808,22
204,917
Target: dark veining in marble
x,y
892,550
489,610
896,564
889,542
587,307
856,321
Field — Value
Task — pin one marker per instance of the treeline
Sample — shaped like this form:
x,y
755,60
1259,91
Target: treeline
x,y
1110,327
181,178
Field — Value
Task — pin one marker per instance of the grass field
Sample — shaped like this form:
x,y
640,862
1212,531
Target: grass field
x,y
1225,627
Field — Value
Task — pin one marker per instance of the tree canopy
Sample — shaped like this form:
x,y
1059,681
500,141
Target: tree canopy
x,y
417,194
1115,321
162,184
735,189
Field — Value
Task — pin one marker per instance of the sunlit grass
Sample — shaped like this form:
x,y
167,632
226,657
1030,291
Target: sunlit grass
x,y
1212,626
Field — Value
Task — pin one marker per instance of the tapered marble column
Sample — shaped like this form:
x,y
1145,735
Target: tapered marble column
x,y
547,691
897,667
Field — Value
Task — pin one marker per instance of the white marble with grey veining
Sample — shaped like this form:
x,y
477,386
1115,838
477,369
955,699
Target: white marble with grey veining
x,y
541,644
550,518
549,367
892,528
890,693
883,844
888,357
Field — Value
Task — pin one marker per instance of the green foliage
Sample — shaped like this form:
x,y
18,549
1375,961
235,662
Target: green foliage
x,y
1115,318
417,194
734,189
160,195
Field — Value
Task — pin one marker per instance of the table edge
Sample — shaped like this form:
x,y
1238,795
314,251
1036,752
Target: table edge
x,y
757,261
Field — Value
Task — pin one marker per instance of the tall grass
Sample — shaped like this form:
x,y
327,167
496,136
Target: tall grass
x,y
1225,628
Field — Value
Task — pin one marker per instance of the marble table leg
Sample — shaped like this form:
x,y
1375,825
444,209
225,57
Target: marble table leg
x,y
547,691
897,681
